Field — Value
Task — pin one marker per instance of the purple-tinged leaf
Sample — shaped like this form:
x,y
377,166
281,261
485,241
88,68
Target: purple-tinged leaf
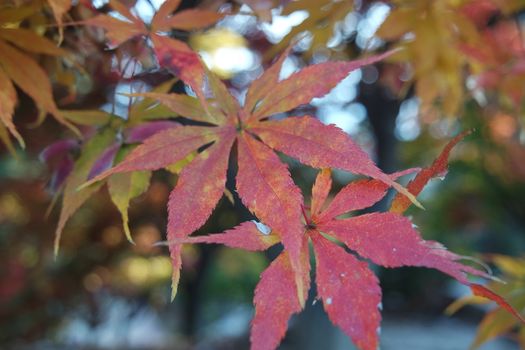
x,y
105,161
58,150
143,131
165,148
60,174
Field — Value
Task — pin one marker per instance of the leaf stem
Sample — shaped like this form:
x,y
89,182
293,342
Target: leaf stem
x,y
308,223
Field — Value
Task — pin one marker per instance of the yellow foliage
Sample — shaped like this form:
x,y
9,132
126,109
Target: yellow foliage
x,y
430,32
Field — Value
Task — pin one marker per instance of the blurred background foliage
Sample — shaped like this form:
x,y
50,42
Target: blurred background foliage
x,y
462,67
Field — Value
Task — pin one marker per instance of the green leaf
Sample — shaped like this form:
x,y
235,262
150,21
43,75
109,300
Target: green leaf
x,y
87,117
73,198
123,188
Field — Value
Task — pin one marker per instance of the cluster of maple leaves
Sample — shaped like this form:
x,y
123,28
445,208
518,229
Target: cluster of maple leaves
x,y
199,152
492,54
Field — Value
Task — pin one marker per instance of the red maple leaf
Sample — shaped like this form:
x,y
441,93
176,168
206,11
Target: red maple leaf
x,y
349,290
263,181
171,53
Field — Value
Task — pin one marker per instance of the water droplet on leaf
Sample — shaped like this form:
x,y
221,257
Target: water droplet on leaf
x,y
265,230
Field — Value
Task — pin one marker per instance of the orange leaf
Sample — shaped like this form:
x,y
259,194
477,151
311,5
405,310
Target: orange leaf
x,y
227,103
438,168
164,11
117,31
184,105
31,79
7,105
190,19
482,291
358,195
60,8
125,11
29,41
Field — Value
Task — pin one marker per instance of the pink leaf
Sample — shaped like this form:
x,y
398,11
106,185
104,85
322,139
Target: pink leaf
x,y
266,188
350,292
181,60
390,240
246,236
358,195
276,300
264,85
313,81
316,144
320,191
165,148
195,196
320,146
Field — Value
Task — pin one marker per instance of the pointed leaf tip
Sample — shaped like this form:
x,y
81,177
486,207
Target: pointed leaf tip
x,y
122,189
484,292
246,236
174,284
390,240
322,146
320,190
301,87
439,166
